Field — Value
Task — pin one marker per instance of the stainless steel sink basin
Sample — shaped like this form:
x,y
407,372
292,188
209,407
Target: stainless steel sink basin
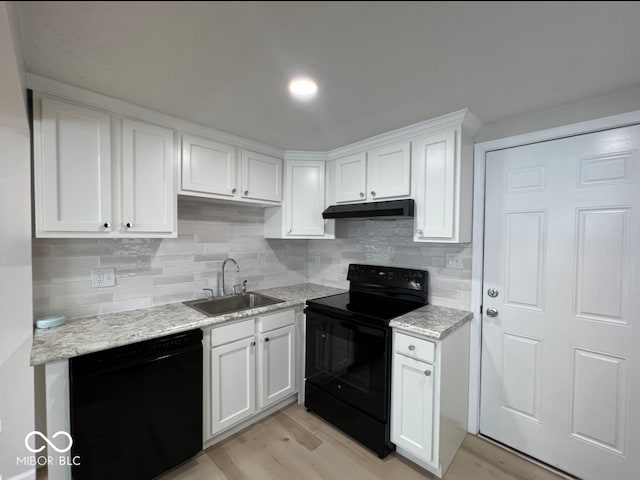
x,y
234,303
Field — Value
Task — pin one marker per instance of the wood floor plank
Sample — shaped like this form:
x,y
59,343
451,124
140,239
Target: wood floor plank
x,y
295,445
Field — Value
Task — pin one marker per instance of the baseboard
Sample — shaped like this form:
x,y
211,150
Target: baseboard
x,y
28,475
526,457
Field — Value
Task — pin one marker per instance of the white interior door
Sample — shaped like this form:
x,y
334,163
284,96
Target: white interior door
x,y
560,361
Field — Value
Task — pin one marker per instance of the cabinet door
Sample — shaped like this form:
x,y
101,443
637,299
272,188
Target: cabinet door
x,y
261,176
351,179
276,359
412,406
148,178
304,198
389,171
72,169
233,377
435,183
208,167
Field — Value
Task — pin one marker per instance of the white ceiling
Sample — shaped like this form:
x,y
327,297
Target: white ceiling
x,y
379,65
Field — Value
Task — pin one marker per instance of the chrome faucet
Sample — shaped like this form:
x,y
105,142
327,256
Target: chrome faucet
x,y
209,293
224,264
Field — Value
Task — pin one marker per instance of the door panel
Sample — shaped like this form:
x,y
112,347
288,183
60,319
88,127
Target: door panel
x,y
560,368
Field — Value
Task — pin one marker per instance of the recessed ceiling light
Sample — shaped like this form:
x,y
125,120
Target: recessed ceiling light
x,y
303,88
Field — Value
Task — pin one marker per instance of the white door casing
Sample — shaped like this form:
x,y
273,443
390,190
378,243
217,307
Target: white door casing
x,y
559,369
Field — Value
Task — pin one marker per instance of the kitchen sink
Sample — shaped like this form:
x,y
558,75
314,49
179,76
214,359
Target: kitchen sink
x,y
234,303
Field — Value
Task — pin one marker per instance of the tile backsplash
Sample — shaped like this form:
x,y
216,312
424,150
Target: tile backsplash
x,y
390,243
157,271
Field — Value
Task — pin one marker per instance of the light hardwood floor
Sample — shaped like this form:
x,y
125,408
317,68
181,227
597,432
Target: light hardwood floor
x,y
295,445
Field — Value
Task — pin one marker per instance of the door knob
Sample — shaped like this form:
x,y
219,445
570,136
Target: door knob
x,y
492,312
492,292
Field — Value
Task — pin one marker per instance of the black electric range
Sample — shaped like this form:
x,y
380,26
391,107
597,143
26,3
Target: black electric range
x,y
348,350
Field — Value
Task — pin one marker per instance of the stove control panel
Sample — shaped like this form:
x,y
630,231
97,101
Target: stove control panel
x,y
388,276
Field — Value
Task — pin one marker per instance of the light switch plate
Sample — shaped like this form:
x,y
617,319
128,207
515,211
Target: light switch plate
x,y
103,277
453,260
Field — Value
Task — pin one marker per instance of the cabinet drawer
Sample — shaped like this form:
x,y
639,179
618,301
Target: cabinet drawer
x,y
276,320
231,333
413,347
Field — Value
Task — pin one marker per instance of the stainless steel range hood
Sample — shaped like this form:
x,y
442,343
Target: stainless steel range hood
x,y
394,209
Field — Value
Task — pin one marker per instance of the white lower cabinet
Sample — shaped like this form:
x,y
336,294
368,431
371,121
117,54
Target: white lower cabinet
x,y
249,366
429,397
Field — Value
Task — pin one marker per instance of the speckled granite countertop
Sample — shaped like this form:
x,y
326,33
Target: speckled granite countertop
x,y
100,332
432,321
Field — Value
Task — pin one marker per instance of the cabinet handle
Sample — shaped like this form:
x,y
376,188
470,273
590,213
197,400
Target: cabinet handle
x,y
361,195
427,373
373,194
129,224
107,225
253,344
246,192
266,339
412,347
234,190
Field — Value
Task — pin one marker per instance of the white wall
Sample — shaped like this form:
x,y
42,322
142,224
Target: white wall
x,y
613,103
16,376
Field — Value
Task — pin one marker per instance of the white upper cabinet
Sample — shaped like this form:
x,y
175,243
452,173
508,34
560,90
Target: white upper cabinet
x,y
380,174
84,188
304,198
351,178
389,172
442,180
72,170
261,176
300,215
148,178
208,168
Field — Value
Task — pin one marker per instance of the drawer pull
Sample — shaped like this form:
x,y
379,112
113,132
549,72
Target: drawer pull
x,y
412,347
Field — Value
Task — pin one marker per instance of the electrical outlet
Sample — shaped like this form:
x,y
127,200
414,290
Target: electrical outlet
x,y
103,277
453,260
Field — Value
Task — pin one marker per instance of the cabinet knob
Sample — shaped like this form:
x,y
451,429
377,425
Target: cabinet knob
x,y
289,230
129,224
361,195
412,347
266,339
427,373
107,225
373,194
253,344
246,192
419,232
234,190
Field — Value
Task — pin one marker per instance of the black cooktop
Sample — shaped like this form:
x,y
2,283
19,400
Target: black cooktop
x,y
369,308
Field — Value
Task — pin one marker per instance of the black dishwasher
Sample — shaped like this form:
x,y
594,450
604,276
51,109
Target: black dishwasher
x,y
136,410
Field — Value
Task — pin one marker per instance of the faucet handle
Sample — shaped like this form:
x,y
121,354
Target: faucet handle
x,y
244,287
